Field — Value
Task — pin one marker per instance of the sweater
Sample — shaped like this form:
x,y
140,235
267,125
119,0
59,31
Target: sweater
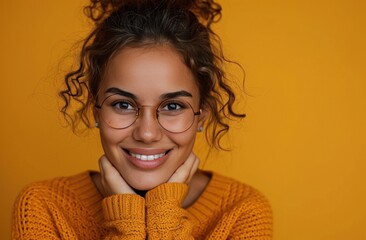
x,y
72,208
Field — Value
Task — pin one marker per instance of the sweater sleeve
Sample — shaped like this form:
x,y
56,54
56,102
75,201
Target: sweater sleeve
x,y
31,216
125,216
166,219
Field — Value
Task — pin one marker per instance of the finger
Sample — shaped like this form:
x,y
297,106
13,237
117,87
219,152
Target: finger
x,y
112,180
102,181
110,176
193,169
109,171
102,166
182,173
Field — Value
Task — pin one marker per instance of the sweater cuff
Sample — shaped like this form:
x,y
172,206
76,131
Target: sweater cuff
x,y
167,191
124,206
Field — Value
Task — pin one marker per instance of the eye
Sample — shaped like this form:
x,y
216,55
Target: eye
x,y
123,107
172,106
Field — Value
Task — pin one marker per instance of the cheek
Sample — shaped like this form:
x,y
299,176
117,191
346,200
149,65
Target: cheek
x,y
185,142
110,138
106,136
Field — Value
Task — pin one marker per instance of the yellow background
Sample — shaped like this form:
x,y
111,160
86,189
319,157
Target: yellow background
x,y
302,144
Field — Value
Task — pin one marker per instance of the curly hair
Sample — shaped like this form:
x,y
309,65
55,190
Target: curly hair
x,y
183,24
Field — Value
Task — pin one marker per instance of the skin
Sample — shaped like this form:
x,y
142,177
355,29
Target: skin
x,y
149,74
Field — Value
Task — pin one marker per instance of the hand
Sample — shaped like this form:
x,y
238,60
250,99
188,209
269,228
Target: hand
x,y
111,180
186,171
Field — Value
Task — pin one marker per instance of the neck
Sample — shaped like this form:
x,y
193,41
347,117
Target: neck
x,y
196,186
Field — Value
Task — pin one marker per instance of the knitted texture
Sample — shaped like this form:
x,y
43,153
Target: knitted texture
x,y
72,208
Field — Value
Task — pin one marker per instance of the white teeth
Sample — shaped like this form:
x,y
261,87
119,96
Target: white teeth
x,y
147,157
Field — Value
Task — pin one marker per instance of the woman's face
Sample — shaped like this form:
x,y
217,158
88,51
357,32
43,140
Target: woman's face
x,y
145,154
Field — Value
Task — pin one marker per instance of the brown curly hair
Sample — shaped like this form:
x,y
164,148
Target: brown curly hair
x,y
184,24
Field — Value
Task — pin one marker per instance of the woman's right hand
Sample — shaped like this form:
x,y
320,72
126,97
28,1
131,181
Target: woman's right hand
x,y
111,180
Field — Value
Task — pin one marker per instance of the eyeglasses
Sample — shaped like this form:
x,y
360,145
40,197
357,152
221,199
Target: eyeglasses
x,y
119,112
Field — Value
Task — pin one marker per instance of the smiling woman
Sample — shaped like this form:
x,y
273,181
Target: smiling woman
x,y
150,77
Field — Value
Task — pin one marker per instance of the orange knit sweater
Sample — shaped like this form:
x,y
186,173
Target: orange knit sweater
x,y
72,208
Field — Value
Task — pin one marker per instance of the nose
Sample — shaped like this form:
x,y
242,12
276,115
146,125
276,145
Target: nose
x,y
146,127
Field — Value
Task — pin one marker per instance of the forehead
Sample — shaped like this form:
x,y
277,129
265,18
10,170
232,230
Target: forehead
x,y
148,72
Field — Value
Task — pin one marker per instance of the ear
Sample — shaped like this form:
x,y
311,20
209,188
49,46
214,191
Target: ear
x,y
96,114
202,117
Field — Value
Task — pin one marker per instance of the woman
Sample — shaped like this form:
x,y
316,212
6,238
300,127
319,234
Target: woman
x,y
151,77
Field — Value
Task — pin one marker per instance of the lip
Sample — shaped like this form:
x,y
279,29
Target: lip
x,y
146,164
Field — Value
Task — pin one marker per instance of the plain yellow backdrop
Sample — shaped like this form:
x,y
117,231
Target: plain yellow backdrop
x,y
302,144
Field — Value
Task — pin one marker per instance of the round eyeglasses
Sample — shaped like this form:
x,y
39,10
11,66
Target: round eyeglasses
x,y
119,112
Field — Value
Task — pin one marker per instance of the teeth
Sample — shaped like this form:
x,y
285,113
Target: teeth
x,y
147,157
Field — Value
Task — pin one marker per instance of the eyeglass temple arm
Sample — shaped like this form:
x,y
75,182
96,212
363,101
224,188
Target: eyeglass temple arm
x,y
198,113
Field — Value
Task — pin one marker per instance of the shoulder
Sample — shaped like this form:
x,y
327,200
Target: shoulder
x,y
240,197
48,190
246,207
235,189
44,198
63,204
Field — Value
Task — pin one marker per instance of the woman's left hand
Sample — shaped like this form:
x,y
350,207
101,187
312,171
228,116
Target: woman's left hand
x,y
186,171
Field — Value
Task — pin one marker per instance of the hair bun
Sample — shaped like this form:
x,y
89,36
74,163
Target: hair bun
x,y
208,11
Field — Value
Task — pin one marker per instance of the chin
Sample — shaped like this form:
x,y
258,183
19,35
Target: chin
x,y
146,184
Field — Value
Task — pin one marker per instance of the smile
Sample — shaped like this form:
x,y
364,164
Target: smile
x,y
144,157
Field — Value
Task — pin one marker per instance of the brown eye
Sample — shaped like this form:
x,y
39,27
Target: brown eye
x,y
123,107
172,107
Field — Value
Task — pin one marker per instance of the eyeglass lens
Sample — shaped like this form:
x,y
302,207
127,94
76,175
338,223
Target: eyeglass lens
x,y
173,115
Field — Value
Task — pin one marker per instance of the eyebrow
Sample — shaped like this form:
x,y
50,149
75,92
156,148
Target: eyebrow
x,y
118,91
164,96
176,94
